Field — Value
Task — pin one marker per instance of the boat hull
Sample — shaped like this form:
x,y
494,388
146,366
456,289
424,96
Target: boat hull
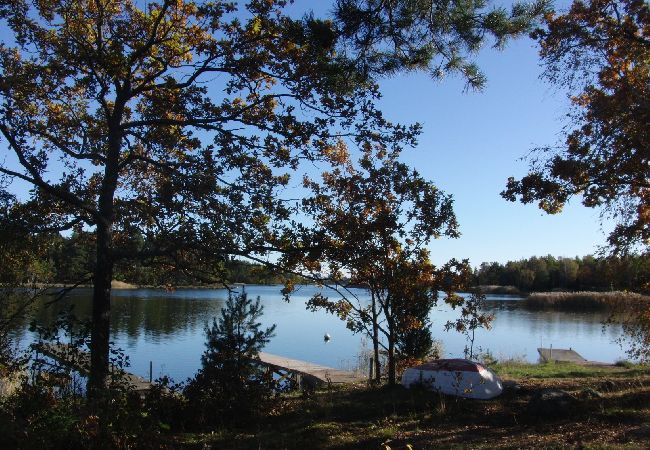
x,y
458,377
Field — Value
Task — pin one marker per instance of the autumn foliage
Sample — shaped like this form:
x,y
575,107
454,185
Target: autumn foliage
x,y
599,50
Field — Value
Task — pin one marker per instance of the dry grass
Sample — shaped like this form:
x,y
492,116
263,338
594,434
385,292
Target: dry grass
x,y
584,301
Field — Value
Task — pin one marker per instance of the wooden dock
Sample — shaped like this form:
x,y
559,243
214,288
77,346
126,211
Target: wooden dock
x,y
79,361
561,355
304,373
307,374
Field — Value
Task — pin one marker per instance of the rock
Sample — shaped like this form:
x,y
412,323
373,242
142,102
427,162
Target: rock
x,y
608,386
510,386
551,403
590,393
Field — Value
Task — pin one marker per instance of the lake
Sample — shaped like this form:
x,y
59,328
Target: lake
x,y
167,328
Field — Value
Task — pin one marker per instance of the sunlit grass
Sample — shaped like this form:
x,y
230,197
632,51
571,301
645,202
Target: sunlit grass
x,y
565,370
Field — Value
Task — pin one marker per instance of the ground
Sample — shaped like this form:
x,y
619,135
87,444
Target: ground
x,y
612,411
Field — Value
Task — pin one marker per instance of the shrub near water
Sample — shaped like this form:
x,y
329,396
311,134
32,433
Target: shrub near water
x,y
576,301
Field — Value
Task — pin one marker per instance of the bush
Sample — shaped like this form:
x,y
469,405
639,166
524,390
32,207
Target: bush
x,y
230,387
48,409
34,418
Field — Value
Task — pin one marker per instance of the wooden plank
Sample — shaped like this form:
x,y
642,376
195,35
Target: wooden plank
x,y
560,355
322,374
80,361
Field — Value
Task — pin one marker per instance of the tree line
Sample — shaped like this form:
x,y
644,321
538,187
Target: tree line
x,y
51,258
69,259
587,273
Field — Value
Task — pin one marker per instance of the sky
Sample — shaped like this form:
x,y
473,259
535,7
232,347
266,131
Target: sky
x,y
473,141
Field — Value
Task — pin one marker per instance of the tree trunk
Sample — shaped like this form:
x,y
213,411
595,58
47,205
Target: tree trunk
x,y
391,357
100,334
101,319
390,337
375,340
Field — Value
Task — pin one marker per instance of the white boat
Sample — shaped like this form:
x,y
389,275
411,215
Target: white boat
x,y
459,377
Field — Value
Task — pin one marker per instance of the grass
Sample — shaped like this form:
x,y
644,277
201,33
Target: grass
x,y
554,370
583,301
351,417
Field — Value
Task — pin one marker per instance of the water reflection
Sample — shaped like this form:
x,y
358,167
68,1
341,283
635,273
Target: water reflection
x,y
167,328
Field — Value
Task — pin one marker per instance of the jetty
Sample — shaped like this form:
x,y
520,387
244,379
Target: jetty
x,y
562,355
79,361
303,373
306,374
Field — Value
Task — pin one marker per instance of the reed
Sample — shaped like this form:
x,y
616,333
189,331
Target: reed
x,y
584,301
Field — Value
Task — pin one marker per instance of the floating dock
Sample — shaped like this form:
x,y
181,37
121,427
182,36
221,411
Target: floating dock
x,y
561,355
307,374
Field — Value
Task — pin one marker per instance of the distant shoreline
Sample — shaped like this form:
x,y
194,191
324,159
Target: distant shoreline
x,y
555,300
498,289
121,285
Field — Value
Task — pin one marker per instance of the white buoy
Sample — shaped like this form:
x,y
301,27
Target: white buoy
x,y
327,337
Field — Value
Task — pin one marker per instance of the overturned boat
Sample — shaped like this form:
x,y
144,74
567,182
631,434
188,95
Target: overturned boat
x,y
459,377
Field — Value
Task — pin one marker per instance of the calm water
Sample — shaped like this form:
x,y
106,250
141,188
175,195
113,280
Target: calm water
x,y
167,328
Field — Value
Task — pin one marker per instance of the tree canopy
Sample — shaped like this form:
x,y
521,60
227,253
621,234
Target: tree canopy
x,y
600,51
440,37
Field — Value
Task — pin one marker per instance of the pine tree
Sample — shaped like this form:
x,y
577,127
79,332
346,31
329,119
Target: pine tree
x,y
230,386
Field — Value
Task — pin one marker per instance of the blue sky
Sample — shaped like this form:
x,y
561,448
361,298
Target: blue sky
x,y
472,142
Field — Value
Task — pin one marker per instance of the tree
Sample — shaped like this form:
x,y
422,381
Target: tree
x,y
440,37
178,123
372,224
599,50
230,386
472,317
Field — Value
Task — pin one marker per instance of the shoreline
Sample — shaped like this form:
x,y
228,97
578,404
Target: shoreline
x,y
121,285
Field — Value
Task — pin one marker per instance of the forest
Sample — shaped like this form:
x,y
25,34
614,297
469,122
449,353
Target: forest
x,y
67,260
587,273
